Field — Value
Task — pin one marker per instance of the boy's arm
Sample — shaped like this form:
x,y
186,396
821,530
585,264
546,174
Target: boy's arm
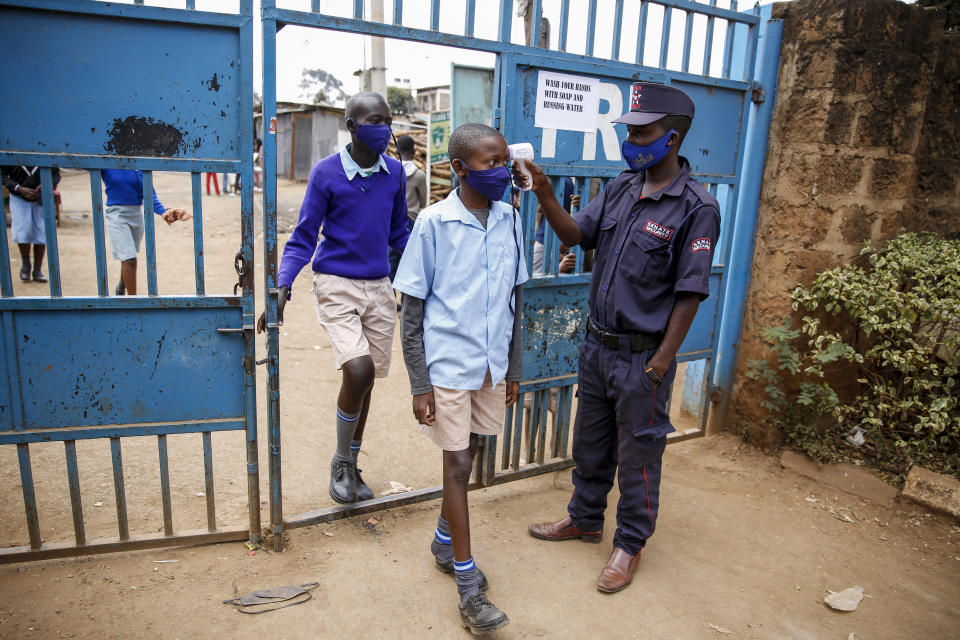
x,y
515,363
398,216
411,339
415,357
302,243
158,208
421,187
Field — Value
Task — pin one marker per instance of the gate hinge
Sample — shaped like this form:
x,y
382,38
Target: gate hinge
x,y
274,449
757,93
252,468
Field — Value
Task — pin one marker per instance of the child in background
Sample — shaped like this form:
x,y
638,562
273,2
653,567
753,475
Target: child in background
x,y
461,277
124,221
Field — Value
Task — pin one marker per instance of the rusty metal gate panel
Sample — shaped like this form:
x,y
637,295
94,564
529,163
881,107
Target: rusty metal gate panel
x,y
99,367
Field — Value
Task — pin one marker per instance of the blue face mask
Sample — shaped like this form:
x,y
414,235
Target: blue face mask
x,y
491,183
643,157
375,136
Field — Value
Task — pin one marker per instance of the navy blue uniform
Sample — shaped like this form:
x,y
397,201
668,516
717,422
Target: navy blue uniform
x,y
648,250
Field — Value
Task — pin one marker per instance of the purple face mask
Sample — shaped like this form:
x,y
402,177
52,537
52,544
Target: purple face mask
x,y
375,136
491,183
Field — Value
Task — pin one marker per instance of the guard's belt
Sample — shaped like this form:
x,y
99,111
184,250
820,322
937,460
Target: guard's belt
x,y
619,341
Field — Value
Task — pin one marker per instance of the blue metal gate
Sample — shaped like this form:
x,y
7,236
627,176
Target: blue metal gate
x,y
726,148
155,90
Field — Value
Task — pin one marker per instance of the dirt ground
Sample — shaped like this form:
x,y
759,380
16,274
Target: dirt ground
x,y
744,549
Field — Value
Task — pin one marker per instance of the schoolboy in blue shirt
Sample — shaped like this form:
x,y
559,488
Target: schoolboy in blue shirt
x,y
358,198
460,276
124,221
654,229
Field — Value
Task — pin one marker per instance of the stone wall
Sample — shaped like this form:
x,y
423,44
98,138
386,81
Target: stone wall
x,y
865,143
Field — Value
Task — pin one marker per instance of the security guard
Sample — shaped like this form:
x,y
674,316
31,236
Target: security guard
x,y
654,230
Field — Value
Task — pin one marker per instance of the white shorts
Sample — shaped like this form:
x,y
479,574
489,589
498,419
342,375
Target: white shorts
x,y
125,224
462,412
26,221
359,316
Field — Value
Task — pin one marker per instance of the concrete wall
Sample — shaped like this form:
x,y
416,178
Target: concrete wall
x,y
865,142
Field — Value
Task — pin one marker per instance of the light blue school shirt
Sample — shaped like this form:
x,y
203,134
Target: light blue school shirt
x,y
466,275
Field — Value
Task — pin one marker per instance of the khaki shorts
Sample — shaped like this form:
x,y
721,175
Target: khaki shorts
x,y
460,413
359,316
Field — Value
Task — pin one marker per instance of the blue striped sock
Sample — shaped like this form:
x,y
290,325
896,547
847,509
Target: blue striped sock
x,y
346,424
441,537
466,565
468,578
355,449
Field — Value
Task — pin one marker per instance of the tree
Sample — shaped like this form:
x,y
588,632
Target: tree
x,y
399,99
321,86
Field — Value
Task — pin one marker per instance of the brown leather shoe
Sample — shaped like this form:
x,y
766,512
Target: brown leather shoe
x,y
618,573
563,530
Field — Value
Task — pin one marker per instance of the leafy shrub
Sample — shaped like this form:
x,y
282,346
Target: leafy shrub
x,y
871,373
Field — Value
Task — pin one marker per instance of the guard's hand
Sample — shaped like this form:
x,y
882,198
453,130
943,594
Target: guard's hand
x,y
28,194
172,215
424,408
568,263
281,302
513,392
659,368
575,201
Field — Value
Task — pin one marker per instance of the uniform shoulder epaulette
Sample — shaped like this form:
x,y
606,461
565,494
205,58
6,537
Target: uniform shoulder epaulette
x,y
705,196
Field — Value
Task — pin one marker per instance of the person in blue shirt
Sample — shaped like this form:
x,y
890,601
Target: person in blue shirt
x,y
654,229
124,221
461,277
358,198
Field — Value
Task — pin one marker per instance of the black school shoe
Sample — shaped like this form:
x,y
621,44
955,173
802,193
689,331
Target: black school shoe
x,y
25,272
121,288
480,616
38,275
445,565
363,491
343,481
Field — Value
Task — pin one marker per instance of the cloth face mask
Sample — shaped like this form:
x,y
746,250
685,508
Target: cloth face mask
x,y
643,157
375,136
491,183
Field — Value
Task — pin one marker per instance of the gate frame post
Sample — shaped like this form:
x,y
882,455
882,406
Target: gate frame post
x,y
745,221
270,264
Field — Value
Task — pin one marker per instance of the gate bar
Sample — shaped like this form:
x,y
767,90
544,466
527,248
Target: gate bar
x,y
29,496
642,32
708,46
469,19
617,27
99,247
198,233
564,24
6,275
149,233
665,36
112,545
73,479
728,44
119,490
687,42
208,482
591,26
50,230
165,486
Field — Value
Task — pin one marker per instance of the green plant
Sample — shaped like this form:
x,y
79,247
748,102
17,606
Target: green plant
x,y
871,373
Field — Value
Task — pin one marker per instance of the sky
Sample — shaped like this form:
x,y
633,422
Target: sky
x,y
422,65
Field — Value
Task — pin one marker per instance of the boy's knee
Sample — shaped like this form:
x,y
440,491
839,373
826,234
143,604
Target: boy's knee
x,y
130,262
359,372
459,465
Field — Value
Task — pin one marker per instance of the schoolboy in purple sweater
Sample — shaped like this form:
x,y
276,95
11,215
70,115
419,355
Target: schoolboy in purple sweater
x,y
358,198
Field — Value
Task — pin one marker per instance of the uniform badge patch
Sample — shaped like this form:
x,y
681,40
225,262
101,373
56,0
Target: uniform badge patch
x,y
658,230
700,244
635,97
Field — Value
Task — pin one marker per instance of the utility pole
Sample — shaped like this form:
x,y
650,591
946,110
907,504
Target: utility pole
x,y
376,74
